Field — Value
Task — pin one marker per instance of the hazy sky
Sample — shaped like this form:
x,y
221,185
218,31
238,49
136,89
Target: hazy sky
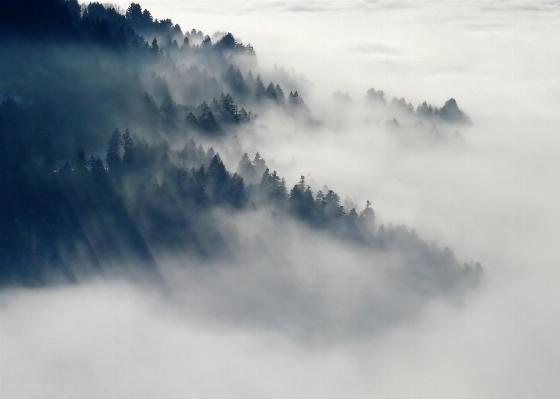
x,y
494,198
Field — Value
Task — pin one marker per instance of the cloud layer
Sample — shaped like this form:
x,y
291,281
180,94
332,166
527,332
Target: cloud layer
x,y
254,330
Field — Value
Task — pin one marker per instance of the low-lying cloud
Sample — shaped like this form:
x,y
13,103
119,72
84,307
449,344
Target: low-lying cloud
x,y
296,312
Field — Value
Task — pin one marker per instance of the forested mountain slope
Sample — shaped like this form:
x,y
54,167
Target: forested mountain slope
x,y
101,116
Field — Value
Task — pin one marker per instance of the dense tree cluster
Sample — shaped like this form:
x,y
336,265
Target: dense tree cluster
x,y
76,191
376,96
100,65
145,197
449,113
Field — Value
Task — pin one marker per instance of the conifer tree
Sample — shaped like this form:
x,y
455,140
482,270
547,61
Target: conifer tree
x,y
279,94
260,91
113,150
367,215
271,92
128,156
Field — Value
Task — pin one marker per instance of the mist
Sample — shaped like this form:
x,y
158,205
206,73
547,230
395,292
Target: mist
x,y
285,309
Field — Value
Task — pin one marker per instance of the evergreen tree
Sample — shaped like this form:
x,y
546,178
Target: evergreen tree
x,y
206,43
376,96
230,108
218,179
271,92
367,215
134,14
246,117
95,165
169,112
236,191
280,94
319,208
147,16
259,89
235,81
243,116
425,111
352,215
208,122
295,99
191,119
246,168
203,107
282,192
226,43
333,210
216,107
259,163
176,33
128,156
301,201
113,151
273,187
250,80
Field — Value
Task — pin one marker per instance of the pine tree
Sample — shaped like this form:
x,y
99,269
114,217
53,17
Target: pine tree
x,y
113,150
280,94
206,43
367,215
260,91
128,157
295,99
218,180
236,191
207,122
250,80
134,13
191,120
333,210
246,168
226,43
271,92
301,201
259,163
352,215
95,165
230,107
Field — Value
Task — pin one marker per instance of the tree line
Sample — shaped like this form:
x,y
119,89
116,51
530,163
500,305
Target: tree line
x,y
75,192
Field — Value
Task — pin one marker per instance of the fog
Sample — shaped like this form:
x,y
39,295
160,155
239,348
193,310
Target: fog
x,y
298,313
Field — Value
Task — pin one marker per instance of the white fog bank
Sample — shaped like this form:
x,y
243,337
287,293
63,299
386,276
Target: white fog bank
x,y
492,197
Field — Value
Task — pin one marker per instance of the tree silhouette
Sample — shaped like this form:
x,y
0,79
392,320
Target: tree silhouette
x,y
230,108
246,168
376,96
295,99
227,42
95,166
271,92
128,146
235,81
191,120
113,151
280,94
259,89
